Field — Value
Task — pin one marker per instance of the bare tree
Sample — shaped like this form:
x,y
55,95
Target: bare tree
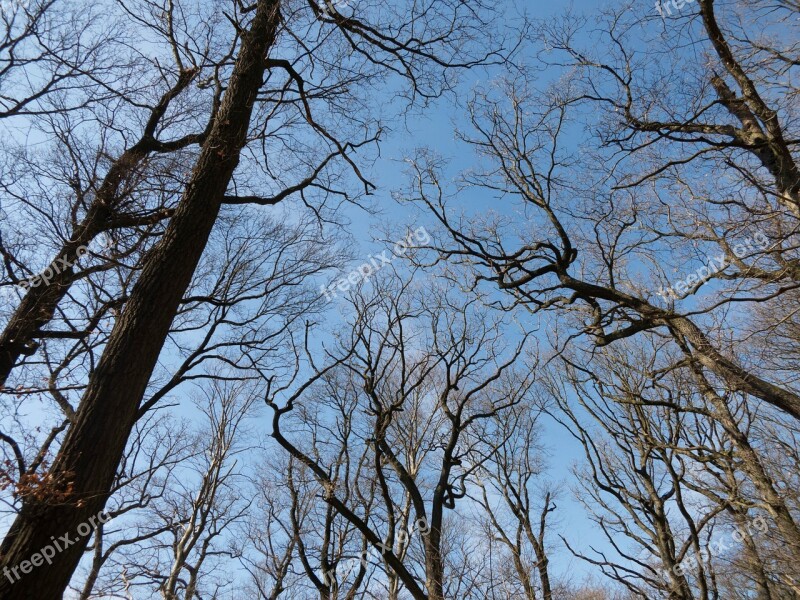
x,y
202,515
426,372
646,203
245,104
175,182
52,58
271,533
665,473
518,520
148,471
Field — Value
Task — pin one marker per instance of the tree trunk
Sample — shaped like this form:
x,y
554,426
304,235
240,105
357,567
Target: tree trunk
x,y
94,444
434,564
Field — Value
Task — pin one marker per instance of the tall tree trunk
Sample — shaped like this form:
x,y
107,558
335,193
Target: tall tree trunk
x,y
537,541
91,452
434,562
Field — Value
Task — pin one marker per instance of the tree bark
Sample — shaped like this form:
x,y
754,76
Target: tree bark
x,y
90,454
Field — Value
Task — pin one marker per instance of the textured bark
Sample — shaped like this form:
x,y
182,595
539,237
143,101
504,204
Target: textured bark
x,y
542,561
434,563
90,454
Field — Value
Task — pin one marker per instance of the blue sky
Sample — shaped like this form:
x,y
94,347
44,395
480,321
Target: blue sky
x,y
435,130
